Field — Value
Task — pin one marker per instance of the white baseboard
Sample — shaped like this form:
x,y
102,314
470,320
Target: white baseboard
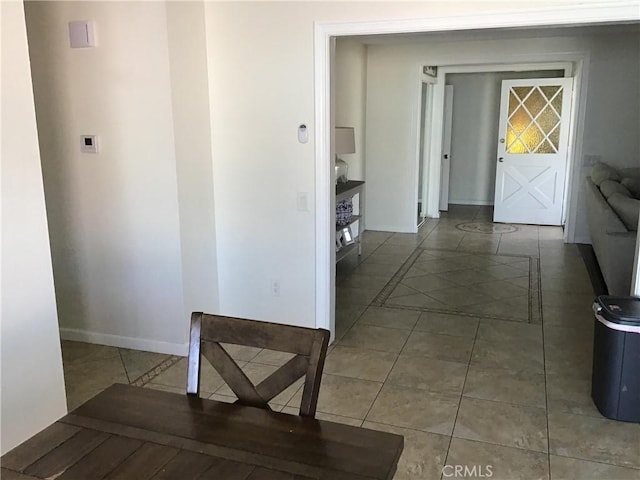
x,y
389,228
133,343
471,202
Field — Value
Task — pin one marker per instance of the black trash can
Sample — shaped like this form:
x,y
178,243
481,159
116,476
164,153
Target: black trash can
x,y
615,383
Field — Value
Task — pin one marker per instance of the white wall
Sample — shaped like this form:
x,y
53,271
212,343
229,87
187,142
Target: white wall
x,y
33,393
119,238
262,74
474,133
114,217
192,132
392,83
351,87
261,83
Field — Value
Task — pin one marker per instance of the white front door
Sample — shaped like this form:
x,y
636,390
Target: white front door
x,y
532,150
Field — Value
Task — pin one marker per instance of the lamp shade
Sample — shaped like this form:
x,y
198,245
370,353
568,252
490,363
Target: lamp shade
x,y
345,140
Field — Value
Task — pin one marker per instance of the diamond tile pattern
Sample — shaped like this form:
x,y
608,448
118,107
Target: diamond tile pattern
x,y
493,285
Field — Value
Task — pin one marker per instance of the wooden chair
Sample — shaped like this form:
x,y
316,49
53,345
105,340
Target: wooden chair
x,y
308,345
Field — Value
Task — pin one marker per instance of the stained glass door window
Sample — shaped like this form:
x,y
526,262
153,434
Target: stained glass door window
x,y
532,150
533,123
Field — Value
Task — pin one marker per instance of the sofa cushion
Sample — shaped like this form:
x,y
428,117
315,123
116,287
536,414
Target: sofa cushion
x,y
609,187
627,209
633,185
633,172
601,172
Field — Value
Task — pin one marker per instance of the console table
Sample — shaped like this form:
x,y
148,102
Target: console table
x,y
345,191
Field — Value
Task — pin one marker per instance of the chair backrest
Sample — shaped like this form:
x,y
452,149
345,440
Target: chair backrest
x,y
308,345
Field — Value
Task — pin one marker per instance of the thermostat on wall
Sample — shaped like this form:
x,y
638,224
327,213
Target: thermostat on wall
x,y
89,144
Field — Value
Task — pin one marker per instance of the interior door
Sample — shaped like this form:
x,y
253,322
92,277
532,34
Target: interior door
x,y
446,148
532,150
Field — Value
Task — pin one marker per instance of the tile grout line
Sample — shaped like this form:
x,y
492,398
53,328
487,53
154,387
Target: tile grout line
x,y
455,420
403,344
398,355
544,361
390,370
124,367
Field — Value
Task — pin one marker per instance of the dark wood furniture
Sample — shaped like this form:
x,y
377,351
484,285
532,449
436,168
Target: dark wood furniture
x,y
135,433
308,345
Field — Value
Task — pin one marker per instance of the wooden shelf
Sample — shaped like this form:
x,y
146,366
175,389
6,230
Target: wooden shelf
x,y
348,189
344,191
354,219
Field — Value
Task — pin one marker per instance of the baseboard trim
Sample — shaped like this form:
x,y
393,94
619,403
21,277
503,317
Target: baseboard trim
x,y
481,203
133,343
593,269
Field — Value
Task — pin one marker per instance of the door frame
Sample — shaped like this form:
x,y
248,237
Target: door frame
x,y
447,125
424,138
566,15
547,216
569,71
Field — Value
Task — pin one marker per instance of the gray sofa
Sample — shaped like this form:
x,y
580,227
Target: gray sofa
x,y
613,207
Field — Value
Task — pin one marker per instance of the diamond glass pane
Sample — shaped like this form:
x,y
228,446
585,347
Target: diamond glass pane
x,y
557,103
547,120
520,120
522,92
532,137
554,137
513,103
517,147
545,147
512,136
535,102
550,90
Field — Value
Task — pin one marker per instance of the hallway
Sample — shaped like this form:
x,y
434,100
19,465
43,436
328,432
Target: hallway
x,y
465,381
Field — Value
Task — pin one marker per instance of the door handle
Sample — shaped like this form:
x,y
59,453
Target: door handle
x,y
501,159
446,157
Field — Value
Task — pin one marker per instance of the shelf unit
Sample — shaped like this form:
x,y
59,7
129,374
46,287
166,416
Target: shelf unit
x,y
344,191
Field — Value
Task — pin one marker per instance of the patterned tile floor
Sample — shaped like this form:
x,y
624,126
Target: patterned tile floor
x,y
499,389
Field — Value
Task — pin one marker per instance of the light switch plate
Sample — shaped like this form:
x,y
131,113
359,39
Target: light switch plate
x,y
81,34
89,143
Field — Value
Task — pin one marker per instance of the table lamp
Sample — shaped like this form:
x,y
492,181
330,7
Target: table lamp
x,y
345,143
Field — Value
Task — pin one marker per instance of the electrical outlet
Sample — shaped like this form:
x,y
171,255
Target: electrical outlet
x,y
275,287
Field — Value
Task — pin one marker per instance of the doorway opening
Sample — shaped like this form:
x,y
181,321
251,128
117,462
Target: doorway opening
x,y
471,134
325,34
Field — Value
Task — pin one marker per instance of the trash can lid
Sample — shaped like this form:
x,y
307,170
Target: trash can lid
x,y
621,310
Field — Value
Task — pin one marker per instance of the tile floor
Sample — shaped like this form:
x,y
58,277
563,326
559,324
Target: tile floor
x,y
426,349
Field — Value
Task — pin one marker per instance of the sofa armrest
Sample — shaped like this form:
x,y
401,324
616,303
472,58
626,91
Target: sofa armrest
x,y
600,215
